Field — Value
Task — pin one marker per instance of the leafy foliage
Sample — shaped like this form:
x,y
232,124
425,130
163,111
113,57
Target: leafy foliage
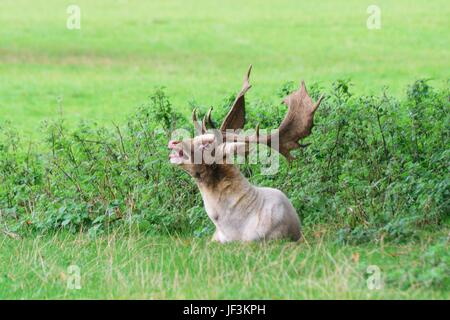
x,y
376,169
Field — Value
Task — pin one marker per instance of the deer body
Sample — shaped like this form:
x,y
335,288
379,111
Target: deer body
x,y
239,210
243,212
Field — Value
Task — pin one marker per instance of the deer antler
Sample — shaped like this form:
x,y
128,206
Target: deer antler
x,y
296,125
207,120
197,126
235,118
298,121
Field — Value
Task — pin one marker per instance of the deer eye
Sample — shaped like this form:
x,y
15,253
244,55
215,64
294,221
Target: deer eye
x,y
205,146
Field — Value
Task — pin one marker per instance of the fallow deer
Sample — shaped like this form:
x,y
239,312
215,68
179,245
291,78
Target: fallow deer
x,y
239,210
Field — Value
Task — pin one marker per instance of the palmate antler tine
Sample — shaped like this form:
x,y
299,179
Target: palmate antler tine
x,y
197,126
204,129
297,124
207,120
316,105
235,118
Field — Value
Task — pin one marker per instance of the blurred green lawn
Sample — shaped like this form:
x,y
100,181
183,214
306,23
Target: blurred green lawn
x,y
200,49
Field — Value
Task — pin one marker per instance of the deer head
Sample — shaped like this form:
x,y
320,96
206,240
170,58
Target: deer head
x,y
201,155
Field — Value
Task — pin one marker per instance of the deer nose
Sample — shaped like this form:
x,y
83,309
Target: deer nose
x,y
173,143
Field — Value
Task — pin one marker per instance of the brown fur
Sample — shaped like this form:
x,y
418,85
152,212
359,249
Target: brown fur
x,y
211,176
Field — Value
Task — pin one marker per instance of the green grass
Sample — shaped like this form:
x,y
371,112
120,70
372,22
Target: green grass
x,y
200,50
123,266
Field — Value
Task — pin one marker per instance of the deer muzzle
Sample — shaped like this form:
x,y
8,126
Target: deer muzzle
x,y
177,155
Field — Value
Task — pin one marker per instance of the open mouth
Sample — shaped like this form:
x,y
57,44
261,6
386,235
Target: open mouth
x,y
177,155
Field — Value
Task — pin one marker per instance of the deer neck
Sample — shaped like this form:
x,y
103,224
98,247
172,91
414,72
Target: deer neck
x,y
226,192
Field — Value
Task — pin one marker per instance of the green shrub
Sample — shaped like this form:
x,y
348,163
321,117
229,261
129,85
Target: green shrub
x,y
377,167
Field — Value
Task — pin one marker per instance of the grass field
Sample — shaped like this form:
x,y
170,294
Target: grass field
x,y
199,51
136,266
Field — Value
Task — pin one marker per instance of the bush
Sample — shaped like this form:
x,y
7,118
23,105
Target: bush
x,y
376,168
